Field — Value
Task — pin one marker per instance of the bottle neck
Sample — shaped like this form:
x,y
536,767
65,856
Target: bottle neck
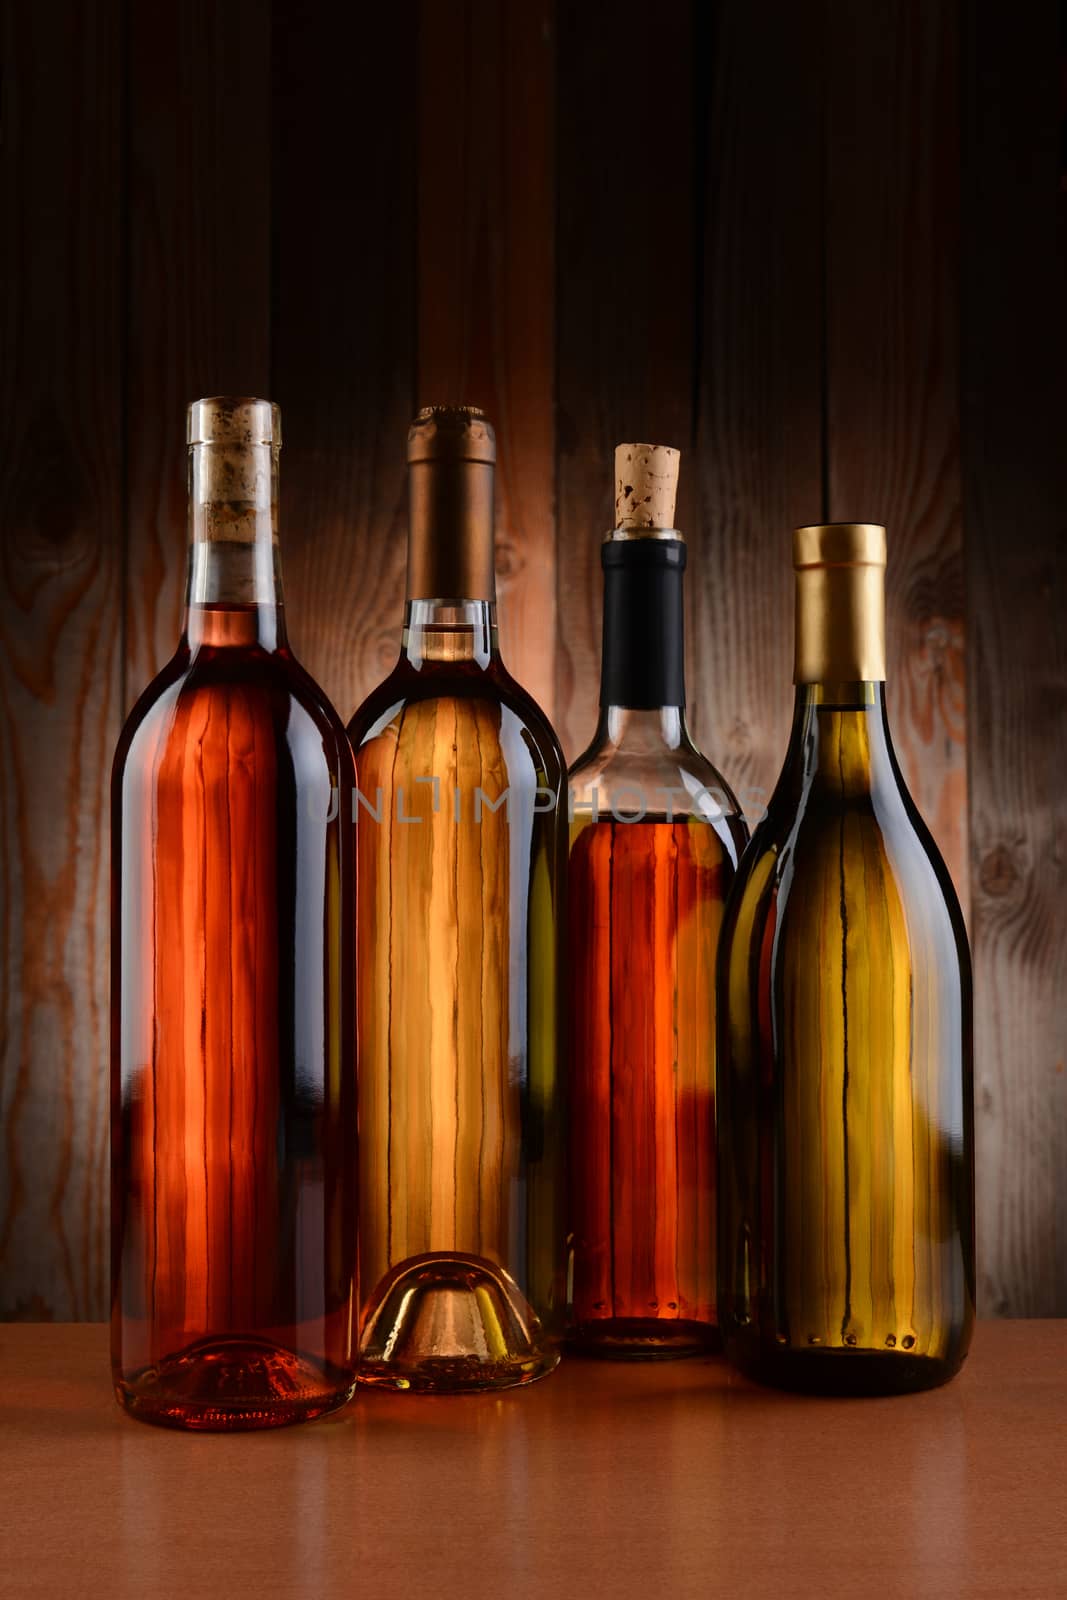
x,y
840,739
450,531
642,732
642,676
449,632
840,622
234,594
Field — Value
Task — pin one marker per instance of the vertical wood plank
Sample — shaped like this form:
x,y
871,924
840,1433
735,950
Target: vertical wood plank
x,y
199,273
892,340
486,289
1015,506
625,297
342,339
61,505
760,386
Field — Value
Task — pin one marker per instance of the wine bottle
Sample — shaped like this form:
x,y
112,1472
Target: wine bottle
x,y
233,1131
461,848
846,1243
654,842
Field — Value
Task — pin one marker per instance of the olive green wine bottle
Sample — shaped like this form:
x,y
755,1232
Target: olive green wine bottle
x,y
846,1186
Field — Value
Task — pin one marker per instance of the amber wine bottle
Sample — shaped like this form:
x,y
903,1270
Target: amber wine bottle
x,y
655,836
846,1244
233,1133
461,841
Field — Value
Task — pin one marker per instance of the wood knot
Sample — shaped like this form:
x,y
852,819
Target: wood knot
x,y
997,872
739,738
52,504
383,650
509,562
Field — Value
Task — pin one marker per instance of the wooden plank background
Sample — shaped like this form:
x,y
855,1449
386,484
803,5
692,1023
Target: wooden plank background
x,y
63,425
1015,543
820,247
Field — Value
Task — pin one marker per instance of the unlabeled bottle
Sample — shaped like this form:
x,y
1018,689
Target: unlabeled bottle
x,y
655,839
461,841
233,1133
846,1244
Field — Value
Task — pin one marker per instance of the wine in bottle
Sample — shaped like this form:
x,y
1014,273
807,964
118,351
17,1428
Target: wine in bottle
x,y
461,847
846,1244
233,1131
654,843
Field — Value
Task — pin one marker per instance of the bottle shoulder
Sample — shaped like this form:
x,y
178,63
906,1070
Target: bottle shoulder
x,y
522,704
238,695
814,848
600,759
661,784
414,712
681,774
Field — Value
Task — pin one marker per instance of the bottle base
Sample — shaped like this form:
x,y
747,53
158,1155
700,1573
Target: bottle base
x,y
643,1339
458,1375
233,1385
844,1372
450,1324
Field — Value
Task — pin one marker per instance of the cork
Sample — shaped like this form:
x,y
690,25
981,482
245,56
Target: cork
x,y
235,443
646,483
234,420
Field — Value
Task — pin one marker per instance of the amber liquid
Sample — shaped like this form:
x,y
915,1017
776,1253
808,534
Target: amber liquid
x,y
233,1106
646,902
461,1241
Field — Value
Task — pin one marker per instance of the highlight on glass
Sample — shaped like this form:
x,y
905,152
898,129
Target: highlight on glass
x,y
459,888
655,837
846,1145
233,1102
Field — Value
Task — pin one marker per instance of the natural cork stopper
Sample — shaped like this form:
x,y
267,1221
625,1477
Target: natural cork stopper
x,y
646,484
235,443
234,420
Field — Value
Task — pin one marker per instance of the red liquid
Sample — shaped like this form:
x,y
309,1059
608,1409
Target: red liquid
x,y
233,1105
646,901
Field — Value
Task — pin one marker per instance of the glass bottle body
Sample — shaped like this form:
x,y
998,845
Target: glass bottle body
x,y
846,1243
654,843
460,853
233,1105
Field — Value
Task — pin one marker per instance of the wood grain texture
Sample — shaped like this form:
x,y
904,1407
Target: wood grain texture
x,y
640,226
656,1478
199,273
759,438
892,365
1015,358
486,287
343,162
61,416
625,296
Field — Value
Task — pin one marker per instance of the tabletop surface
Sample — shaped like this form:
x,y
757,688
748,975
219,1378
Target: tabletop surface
x,y
676,1479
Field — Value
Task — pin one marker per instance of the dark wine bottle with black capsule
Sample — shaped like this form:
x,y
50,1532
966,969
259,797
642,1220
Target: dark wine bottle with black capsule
x,y
846,1233
654,844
